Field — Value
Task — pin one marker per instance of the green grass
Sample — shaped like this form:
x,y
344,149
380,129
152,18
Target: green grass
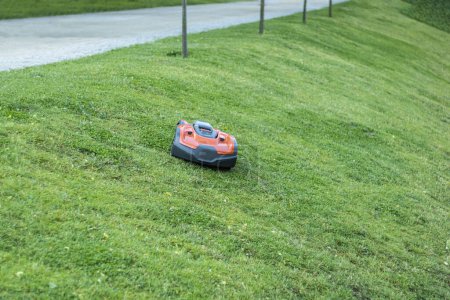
x,y
433,12
340,191
10,9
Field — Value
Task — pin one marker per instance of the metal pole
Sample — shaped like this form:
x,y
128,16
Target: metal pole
x,y
261,17
184,30
330,9
304,10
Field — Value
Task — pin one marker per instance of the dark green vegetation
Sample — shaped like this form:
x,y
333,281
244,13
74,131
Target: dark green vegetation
x,y
433,12
10,9
340,191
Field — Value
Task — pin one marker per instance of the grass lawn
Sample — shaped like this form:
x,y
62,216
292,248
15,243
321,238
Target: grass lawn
x,y
10,9
340,190
433,12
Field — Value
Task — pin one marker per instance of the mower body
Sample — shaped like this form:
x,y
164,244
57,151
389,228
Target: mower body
x,y
200,143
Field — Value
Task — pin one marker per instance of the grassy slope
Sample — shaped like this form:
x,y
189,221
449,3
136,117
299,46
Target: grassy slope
x,y
341,188
433,12
36,8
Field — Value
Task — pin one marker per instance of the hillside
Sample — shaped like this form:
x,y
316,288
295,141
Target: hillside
x,y
340,191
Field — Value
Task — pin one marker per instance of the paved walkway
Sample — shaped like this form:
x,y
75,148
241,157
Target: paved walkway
x,y
37,41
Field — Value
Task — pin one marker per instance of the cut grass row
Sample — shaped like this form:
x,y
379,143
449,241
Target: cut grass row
x,y
340,191
10,9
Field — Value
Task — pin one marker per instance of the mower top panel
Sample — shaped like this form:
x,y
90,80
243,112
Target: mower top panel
x,y
202,133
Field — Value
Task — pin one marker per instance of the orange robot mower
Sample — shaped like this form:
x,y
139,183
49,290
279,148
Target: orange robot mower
x,y
200,143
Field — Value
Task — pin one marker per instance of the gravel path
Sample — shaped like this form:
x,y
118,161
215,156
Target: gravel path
x,y
38,41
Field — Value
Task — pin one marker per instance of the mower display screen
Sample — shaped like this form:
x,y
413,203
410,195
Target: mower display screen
x,y
204,129
208,131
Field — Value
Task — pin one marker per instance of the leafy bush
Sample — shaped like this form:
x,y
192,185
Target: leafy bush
x,y
433,12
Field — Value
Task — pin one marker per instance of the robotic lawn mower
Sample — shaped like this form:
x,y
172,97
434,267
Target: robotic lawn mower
x,y
201,143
